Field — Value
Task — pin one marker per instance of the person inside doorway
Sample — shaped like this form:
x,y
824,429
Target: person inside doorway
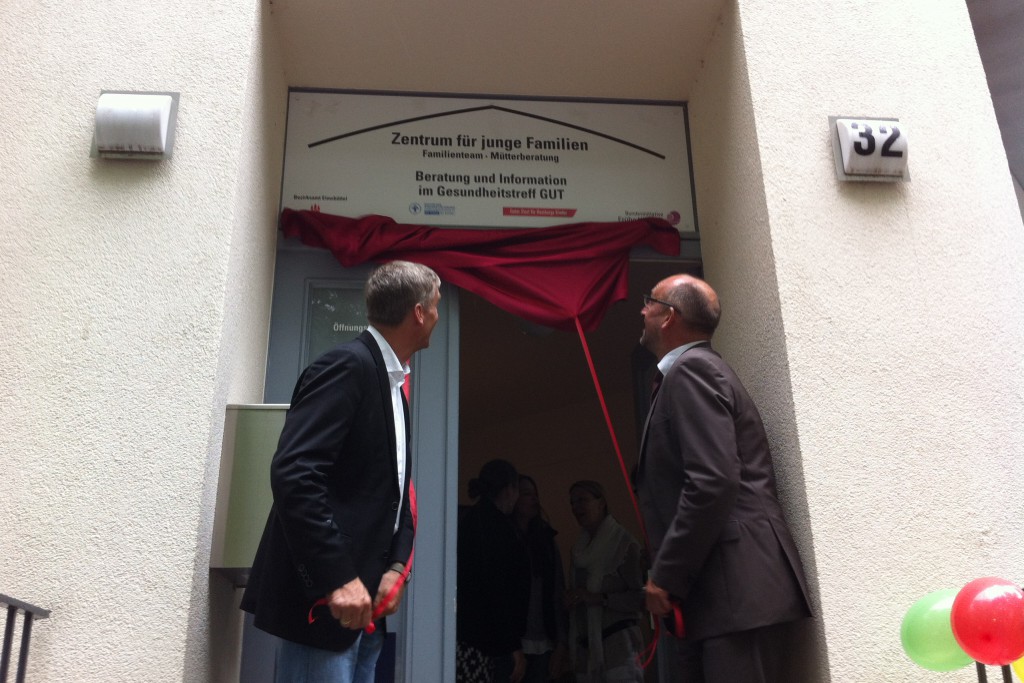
x,y
544,642
493,589
605,595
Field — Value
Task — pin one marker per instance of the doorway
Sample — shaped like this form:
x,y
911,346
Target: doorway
x,y
526,395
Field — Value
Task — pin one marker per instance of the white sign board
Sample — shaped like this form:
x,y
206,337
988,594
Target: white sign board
x,y
486,162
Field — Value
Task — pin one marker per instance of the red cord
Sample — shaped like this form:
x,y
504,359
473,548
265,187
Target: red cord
x,y
647,656
379,610
611,431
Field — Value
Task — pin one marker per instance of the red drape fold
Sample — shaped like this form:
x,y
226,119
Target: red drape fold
x,y
549,276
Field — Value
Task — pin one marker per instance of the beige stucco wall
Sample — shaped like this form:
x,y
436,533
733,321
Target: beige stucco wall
x,y
736,242
121,303
879,326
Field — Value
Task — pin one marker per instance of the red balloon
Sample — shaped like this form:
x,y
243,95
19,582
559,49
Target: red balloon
x,y
988,621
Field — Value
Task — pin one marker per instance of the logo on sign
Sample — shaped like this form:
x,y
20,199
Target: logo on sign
x,y
415,209
435,209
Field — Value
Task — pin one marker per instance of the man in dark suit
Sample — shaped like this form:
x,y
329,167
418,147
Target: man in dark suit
x,y
341,526
721,549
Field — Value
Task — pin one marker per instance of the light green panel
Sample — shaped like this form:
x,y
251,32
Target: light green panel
x,y
251,433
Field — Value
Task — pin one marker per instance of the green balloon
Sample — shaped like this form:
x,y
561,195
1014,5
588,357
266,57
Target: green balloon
x,y
927,635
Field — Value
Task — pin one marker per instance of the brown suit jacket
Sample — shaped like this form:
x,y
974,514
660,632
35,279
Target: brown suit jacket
x,y
707,491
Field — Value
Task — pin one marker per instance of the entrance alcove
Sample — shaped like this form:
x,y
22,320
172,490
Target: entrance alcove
x,y
671,51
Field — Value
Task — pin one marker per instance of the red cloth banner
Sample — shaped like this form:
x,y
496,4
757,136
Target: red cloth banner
x,y
549,276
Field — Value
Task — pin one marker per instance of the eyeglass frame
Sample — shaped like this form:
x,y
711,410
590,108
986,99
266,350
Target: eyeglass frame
x,y
648,299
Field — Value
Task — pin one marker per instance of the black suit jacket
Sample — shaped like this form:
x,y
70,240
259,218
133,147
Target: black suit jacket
x,y
707,490
336,497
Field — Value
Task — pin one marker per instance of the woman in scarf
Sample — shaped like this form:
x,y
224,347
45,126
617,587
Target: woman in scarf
x,y
605,596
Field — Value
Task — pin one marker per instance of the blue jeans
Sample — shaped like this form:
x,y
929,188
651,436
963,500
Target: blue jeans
x,y
303,664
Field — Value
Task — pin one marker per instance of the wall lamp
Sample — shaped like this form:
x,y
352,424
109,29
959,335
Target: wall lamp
x,y
135,125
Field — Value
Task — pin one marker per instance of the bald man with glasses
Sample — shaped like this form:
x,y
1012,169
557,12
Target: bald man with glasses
x,y
721,550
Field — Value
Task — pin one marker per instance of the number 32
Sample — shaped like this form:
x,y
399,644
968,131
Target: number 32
x,y
867,148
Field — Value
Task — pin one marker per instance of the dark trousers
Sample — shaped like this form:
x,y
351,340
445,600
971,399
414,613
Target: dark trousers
x,y
746,657
503,665
537,668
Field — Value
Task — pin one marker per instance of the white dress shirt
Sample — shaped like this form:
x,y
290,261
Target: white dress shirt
x,y
396,376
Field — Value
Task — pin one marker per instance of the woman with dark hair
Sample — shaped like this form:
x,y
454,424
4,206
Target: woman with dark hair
x,y
606,592
493,582
547,621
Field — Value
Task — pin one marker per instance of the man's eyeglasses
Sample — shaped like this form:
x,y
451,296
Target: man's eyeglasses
x,y
648,300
